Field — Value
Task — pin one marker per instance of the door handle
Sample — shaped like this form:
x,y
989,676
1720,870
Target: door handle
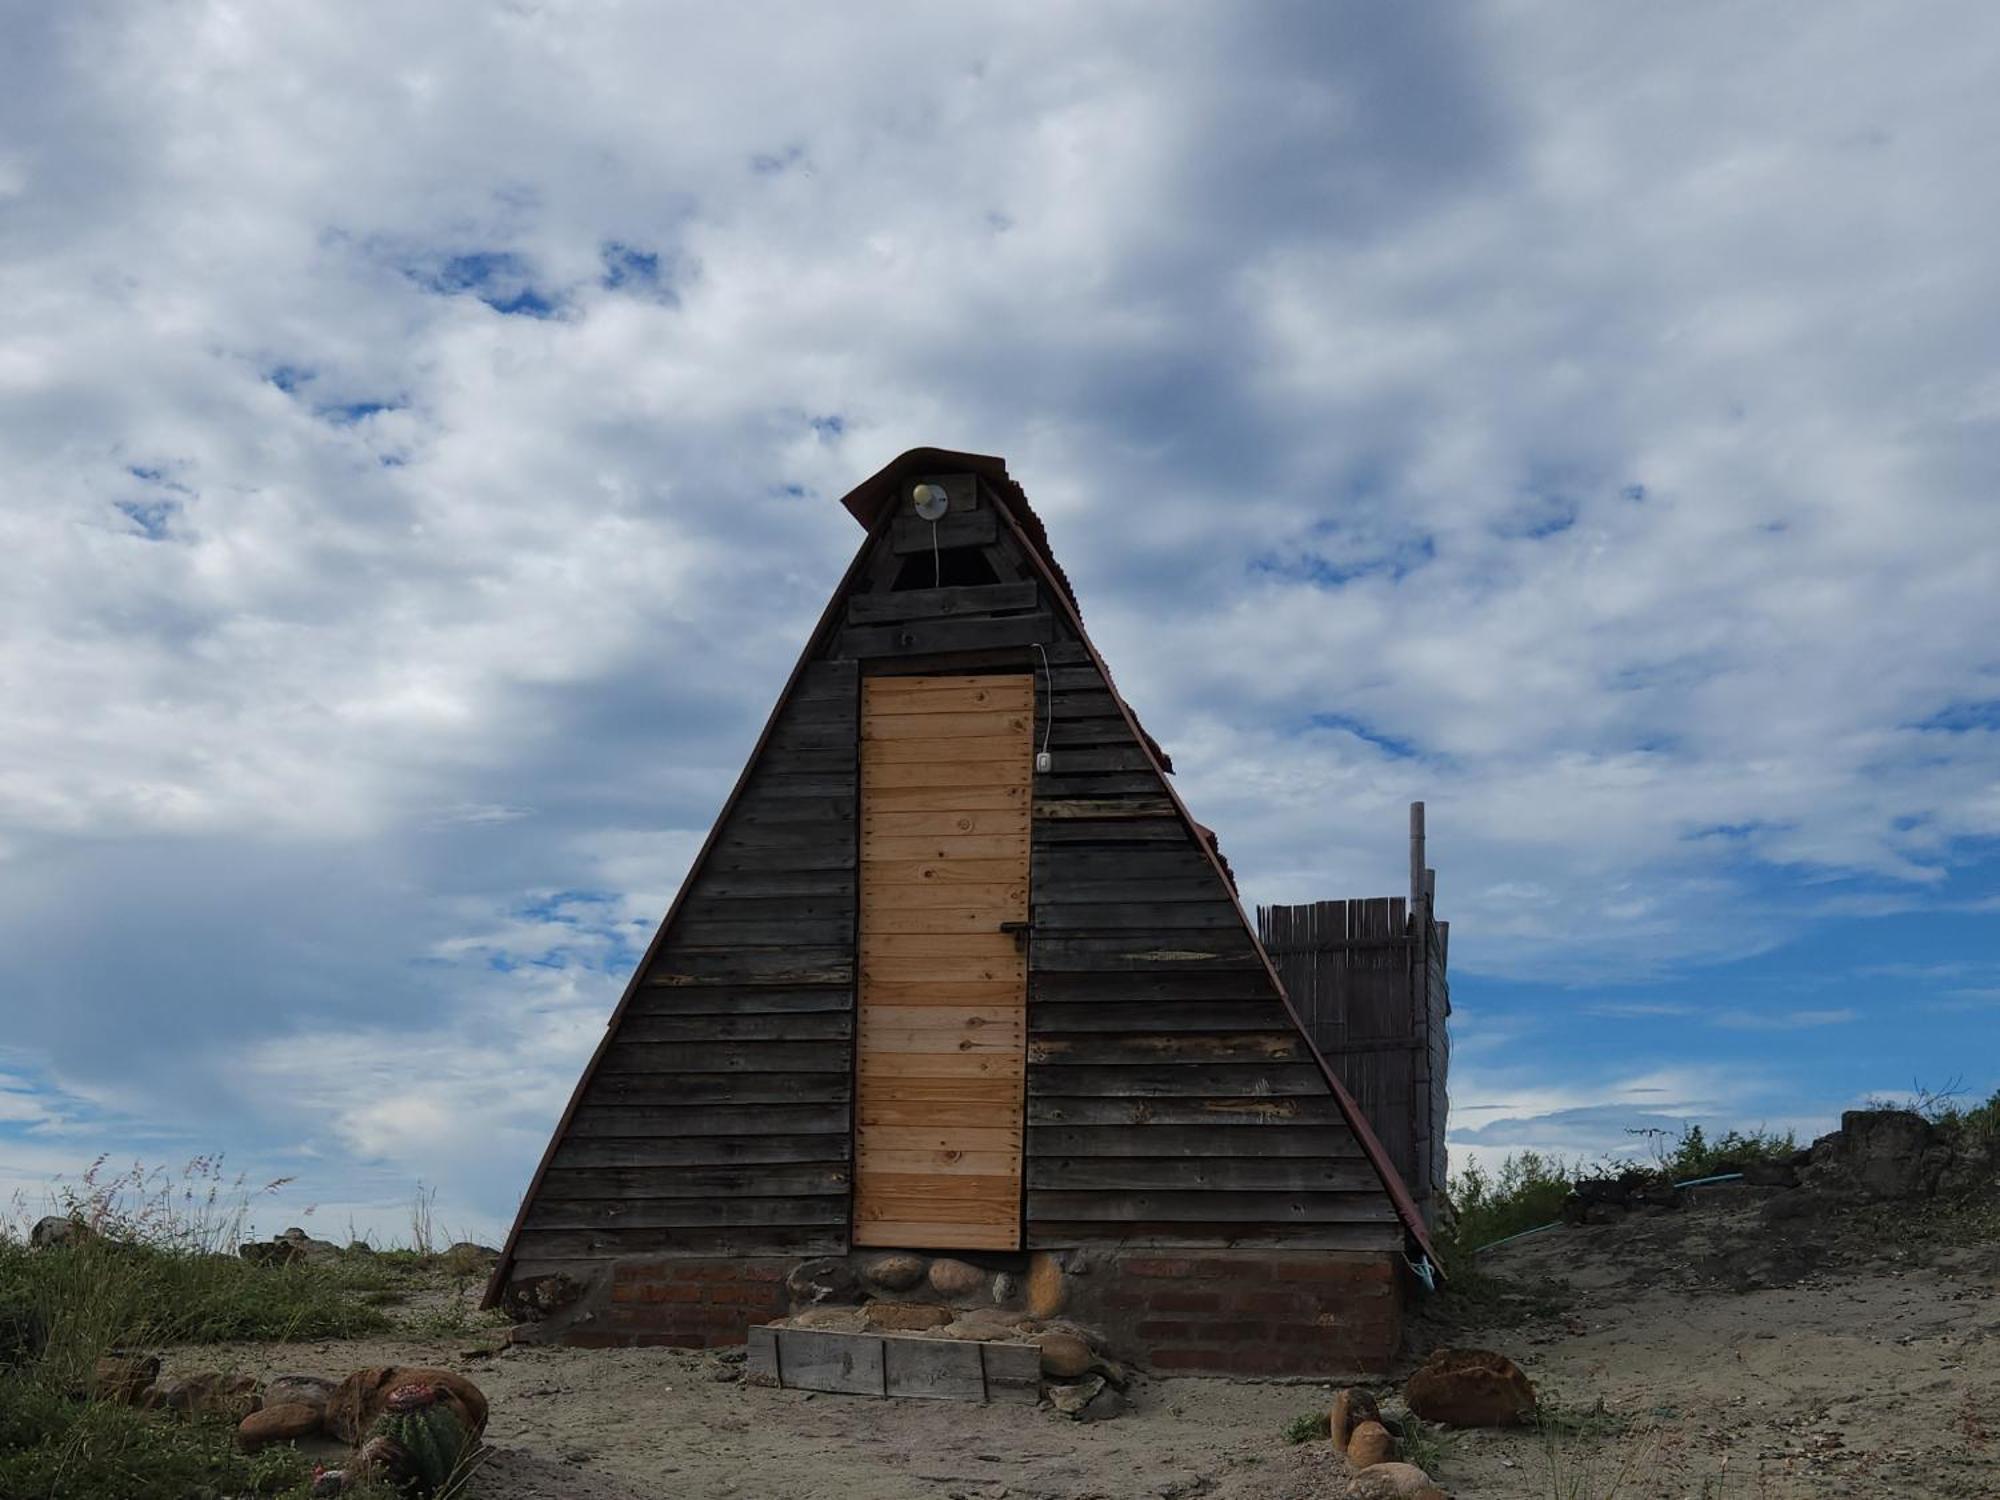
x,y
1020,930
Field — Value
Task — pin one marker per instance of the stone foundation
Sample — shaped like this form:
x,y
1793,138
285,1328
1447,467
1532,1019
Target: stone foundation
x,y
1222,1312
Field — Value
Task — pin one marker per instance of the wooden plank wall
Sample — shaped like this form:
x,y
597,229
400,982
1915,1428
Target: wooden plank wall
x,y
1378,1014
719,1122
942,1010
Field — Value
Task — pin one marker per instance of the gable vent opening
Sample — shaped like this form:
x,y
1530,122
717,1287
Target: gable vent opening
x,y
953,567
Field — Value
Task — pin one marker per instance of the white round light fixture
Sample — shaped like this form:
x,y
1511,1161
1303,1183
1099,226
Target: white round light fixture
x,y
931,501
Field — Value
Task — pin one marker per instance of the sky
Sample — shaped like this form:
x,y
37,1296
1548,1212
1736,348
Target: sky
x,y
421,429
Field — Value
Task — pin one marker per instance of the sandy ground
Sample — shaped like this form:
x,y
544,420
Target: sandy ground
x,y
1733,1361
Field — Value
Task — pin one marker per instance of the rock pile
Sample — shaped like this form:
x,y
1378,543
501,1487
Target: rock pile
x,y
410,1426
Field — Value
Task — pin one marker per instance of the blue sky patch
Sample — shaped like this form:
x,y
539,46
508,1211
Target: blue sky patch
x,y
152,518
502,280
1396,749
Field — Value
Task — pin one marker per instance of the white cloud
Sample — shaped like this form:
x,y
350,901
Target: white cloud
x,y
1627,369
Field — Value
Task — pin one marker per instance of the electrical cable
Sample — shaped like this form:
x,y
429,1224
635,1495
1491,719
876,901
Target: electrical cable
x,y
1049,692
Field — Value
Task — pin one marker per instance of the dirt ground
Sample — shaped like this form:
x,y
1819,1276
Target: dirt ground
x,y
1732,1357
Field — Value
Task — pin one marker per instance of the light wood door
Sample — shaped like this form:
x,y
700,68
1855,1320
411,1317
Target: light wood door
x,y
946,767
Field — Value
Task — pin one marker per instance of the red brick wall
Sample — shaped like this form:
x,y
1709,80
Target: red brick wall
x,y
1304,1312
690,1304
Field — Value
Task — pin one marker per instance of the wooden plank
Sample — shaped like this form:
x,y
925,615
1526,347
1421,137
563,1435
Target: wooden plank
x,y
1289,1174
928,1235
940,992
974,528
739,1000
762,1180
1013,1372
967,1163
957,821
946,798
593,1119
986,774
759,931
933,1369
1108,916
1262,1110
885,848
940,1198
670,1089
1155,984
955,1065
669,1213
558,1245
1154,830
923,604
1170,1046
815,1359
947,1018
937,636
1098,809
1002,747
922,1139
1275,1138
1179,1080
1122,1234
911,874
698,1150
921,968
890,728
788,967
1212,1208
975,948
887,697
931,917
1050,1018
718,885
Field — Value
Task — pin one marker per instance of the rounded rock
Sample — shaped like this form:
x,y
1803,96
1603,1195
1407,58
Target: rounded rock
x,y
828,1280
1351,1407
284,1423
1370,1445
1470,1388
1046,1289
955,1278
1064,1355
1393,1482
897,1271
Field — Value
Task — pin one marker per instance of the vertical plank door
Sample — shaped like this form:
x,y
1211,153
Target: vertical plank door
x,y
941,1059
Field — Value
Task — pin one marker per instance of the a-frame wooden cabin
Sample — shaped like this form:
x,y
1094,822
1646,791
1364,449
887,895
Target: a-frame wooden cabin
x,y
924,990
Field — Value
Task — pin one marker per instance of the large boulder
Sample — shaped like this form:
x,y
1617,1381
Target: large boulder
x,y
59,1232
1470,1388
1881,1154
124,1378
828,1280
363,1397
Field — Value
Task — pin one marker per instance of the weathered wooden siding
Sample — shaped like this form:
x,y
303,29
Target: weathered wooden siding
x,y
1370,986
1170,1098
719,1120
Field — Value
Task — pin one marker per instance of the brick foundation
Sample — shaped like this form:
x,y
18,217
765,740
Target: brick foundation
x,y
1220,1312
1240,1312
688,1304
